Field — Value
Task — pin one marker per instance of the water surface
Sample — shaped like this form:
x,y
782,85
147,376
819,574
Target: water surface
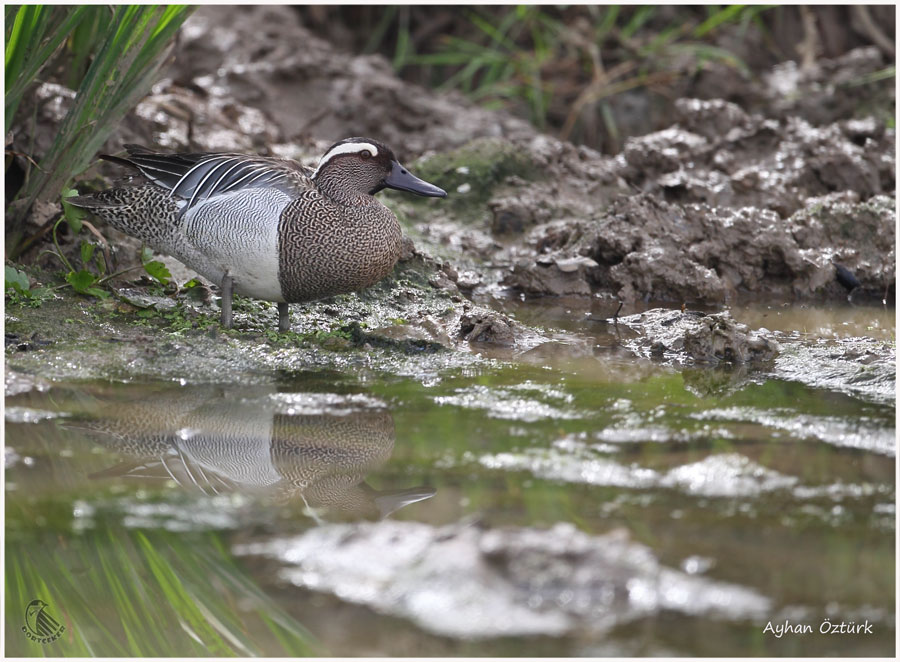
x,y
565,505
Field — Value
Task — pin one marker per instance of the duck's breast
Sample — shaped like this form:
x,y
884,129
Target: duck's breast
x,y
329,249
238,232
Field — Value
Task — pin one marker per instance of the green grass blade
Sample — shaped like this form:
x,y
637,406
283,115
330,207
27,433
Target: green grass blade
x,y
640,17
725,15
135,43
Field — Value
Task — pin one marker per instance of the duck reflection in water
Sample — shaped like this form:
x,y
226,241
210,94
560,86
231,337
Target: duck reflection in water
x,y
311,449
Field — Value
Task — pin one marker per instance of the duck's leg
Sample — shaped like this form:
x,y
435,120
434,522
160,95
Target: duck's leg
x,y
227,289
284,317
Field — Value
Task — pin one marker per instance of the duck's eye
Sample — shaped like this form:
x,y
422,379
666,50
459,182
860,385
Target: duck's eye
x,y
366,154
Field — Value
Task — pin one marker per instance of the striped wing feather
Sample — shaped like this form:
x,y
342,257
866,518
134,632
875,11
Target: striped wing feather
x,y
202,175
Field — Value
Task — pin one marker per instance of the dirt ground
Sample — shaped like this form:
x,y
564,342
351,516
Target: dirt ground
x,y
791,201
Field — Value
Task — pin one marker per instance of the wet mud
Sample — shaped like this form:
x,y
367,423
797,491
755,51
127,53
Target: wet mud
x,y
768,199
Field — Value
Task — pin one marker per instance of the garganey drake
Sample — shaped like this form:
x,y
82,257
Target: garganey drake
x,y
266,227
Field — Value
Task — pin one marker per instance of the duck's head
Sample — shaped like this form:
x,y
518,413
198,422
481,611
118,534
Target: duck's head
x,y
362,165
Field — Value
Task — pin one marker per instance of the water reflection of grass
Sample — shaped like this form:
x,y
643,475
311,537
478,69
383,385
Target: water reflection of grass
x,y
131,592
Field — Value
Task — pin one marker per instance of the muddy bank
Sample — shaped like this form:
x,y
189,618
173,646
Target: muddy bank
x,y
414,323
753,207
728,202
669,218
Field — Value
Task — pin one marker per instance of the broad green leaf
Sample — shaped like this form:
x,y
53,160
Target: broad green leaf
x,y
81,281
17,280
87,252
158,271
97,292
41,293
74,215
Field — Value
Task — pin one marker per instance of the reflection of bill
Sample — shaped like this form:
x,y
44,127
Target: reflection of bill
x,y
316,450
40,626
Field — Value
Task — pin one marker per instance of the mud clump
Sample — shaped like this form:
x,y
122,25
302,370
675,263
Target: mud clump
x,y
488,327
697,338
861,367
745,206
236,57
845,245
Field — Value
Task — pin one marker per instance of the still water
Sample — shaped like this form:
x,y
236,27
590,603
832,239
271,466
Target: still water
x,y
559,506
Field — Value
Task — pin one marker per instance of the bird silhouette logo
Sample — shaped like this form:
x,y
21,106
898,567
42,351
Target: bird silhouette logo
x,y
40,626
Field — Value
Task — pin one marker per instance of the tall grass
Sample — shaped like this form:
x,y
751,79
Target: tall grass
x,y
133,593
33,34
125,45
562,65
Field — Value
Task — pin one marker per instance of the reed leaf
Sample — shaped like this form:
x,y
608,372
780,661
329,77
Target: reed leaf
x,y
130,49
33,36
137,593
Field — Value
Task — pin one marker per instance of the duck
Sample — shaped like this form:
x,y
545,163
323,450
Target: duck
x,y
265,227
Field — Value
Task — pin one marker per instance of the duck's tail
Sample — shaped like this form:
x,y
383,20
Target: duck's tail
x,y
95,201
146,211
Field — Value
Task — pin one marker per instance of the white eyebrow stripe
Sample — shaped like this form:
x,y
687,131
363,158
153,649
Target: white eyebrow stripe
x,y
346,148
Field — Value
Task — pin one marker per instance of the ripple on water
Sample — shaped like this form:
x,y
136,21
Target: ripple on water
x,y
506,404
726,475
317,404
723,475
860,432
572,468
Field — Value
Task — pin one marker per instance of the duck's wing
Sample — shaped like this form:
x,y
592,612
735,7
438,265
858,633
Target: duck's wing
x,y
203,175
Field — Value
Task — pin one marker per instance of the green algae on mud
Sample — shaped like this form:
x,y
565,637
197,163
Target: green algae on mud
x,y
473,172
183,339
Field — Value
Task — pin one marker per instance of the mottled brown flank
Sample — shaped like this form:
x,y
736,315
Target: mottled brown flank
x,y
326,248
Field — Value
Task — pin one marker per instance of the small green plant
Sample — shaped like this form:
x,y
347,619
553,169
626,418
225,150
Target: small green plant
x,y
19,291
94,267
154,268
84,280
74,216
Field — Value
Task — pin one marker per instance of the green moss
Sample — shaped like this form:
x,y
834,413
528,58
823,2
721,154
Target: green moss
x,y
478,167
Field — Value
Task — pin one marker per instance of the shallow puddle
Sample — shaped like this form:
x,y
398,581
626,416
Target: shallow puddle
x,y
592,506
